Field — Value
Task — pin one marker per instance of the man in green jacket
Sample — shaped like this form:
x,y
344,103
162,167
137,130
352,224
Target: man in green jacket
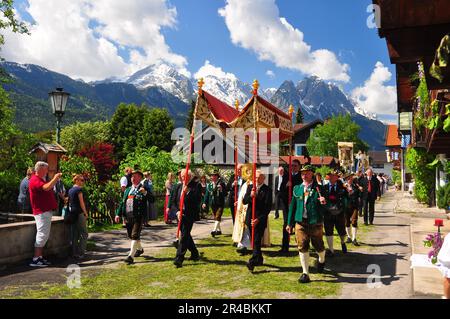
x,y
133,209
306,217
216,191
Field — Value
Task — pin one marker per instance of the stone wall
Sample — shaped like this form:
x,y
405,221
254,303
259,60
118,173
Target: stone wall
x,y
17,241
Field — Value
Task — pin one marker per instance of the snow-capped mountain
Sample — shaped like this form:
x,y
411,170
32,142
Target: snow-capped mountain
x,y
317,98
365,113
267,94
228,89
162,86
166,77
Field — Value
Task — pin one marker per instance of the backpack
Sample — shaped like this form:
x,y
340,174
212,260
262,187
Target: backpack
x,y
70,215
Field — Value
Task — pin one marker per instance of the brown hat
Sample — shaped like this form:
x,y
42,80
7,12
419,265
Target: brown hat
x,y
335,172
347,176
216,172
137,171
308,167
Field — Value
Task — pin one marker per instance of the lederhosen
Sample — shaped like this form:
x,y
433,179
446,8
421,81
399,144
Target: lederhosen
x,y
333,196
215,196
351,212
134,209
309,226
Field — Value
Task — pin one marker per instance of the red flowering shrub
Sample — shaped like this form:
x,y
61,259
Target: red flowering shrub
x,y
102,156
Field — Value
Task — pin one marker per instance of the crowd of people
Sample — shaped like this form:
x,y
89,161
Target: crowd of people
x,y
317,208
312,207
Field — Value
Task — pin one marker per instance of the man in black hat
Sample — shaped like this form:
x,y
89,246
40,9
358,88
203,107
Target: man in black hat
x,y
263,202
336,197
216,191
133,209
351,212
306,217
190,211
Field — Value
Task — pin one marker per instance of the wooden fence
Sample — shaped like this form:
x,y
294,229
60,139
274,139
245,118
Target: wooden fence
x,y
105,212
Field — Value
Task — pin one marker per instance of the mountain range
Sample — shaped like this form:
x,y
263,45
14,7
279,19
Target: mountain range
x,y
161,85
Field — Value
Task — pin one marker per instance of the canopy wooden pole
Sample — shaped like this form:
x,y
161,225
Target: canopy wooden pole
x,y
235,179
291,112
255,158
235,169
188,161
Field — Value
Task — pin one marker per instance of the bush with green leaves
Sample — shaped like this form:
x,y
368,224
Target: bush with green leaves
x,y
79,136
397,177
443,197
158,163
417,160
100,197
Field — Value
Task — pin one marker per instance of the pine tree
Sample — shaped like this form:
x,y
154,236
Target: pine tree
x,y
299,117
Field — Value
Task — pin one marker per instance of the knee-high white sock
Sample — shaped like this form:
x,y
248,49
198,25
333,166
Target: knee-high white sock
x,y
218,227
304,261
330,243
216,223
133,248
349,234
321,257
354,230
343,238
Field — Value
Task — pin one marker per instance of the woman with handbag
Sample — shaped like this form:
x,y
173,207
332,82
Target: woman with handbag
x,y
78,217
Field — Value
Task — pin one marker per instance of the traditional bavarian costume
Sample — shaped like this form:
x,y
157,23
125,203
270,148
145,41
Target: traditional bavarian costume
x,y
133,209
306,216
334,215
215,198
351,212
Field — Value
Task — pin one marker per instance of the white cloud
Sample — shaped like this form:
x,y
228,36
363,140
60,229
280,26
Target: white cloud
x,y
256,25
210,70
82,38
270,74
375,96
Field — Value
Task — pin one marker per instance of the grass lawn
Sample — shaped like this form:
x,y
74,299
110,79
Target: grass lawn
x,y
221,273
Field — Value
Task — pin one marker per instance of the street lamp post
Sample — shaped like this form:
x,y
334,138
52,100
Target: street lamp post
x,y
58,100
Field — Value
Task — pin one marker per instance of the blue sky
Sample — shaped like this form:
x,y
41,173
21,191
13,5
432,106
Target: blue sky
x,y
189,32
339,26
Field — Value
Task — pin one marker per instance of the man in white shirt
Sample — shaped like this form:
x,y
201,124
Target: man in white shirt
x,y
125,182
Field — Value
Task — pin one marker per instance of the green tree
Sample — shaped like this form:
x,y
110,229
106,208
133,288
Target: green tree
x,y
324,139
190,118
127,127
416,160
299,118
14,145
79,136
157,130
9,21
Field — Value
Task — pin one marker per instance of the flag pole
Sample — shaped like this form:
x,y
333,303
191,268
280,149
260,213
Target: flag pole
x,y
188,162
